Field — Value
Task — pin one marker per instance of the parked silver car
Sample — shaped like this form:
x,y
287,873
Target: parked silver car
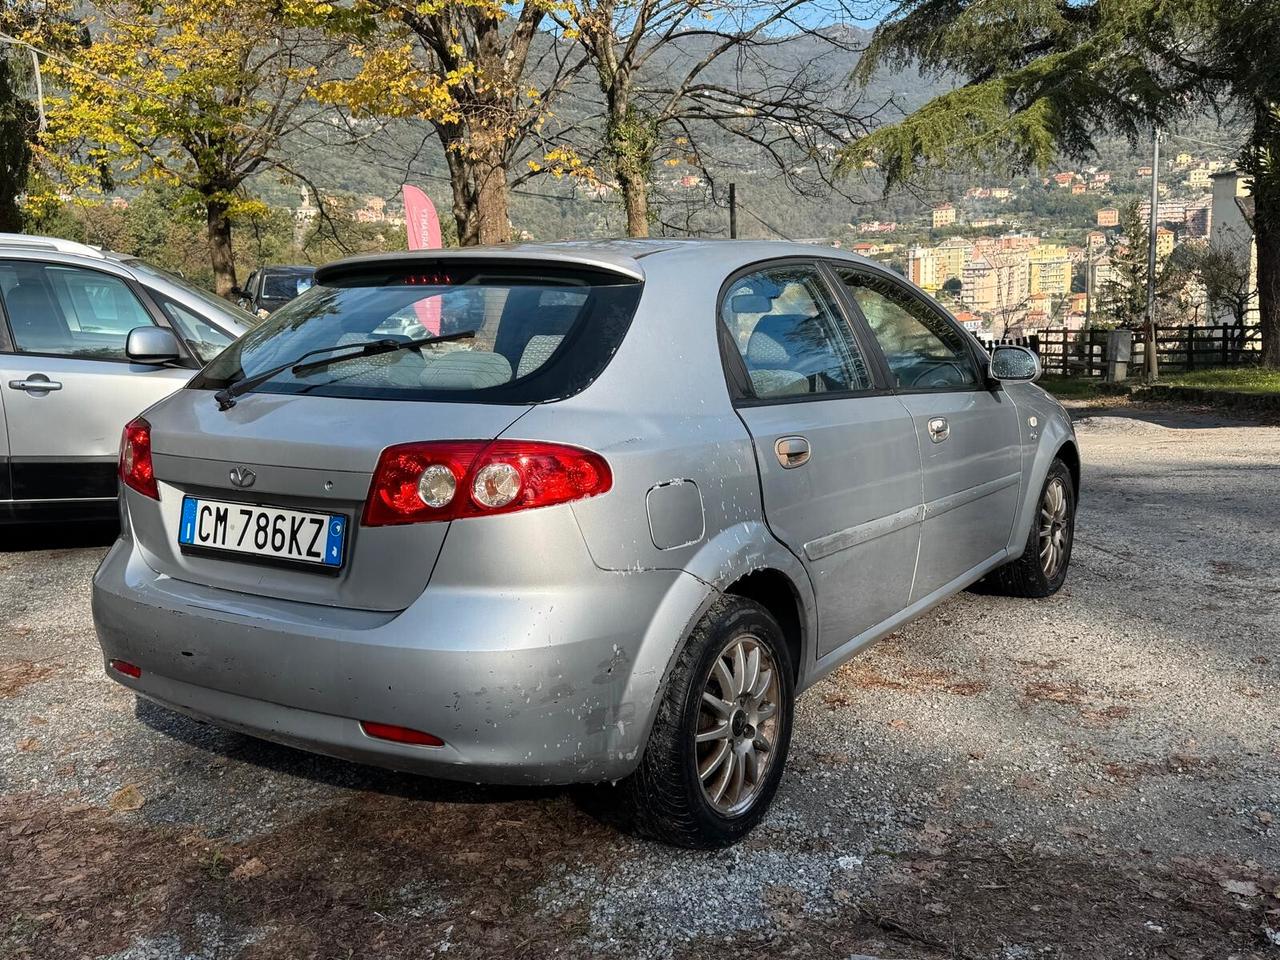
x,y
68,379
598,516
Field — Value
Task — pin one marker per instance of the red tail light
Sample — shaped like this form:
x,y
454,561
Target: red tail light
x,y
452,479
127,668
136,469
389,731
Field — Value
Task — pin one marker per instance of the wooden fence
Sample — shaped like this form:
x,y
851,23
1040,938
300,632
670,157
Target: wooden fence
x,y
1084,353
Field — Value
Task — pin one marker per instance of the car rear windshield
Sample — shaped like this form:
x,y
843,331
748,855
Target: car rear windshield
x,y
519,334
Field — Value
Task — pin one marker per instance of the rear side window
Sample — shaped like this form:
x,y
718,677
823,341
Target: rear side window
x,y
523,334
792,338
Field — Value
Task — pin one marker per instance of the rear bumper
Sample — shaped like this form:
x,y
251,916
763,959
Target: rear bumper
x,y
549,685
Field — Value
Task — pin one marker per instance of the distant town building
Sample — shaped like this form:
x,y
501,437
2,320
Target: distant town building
x,y
922,268
1108,217
1168,211
1049,270
1164,242
944,215
1199,218
1230,227
876,226
996,280
1078,188
1095,240
1199,179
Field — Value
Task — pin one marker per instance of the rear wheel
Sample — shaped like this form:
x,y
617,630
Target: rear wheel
x,y
1042,568
719,743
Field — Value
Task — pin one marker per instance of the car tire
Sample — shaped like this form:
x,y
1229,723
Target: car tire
x,y
670,796
1052,529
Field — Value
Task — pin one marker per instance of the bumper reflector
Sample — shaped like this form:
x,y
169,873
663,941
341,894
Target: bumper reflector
x,y
389,731
127,668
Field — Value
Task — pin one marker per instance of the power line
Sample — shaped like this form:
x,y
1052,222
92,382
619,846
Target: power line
x,y
765,223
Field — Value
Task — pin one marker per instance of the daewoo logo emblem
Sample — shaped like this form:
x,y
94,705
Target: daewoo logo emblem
x,y
242,476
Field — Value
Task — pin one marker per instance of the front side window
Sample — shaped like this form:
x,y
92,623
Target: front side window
x,y
790,334
204,339
522,334
69,311
923,351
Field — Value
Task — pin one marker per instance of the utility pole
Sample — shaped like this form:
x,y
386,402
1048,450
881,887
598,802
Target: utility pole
x,y
733,211
1153,361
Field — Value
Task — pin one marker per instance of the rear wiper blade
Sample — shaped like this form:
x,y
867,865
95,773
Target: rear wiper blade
x,y
382,346
226,397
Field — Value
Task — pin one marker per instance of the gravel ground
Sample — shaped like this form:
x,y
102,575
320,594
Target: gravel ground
x,y
1094,775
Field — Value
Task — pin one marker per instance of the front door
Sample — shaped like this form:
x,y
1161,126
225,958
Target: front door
x,y
970,446
68,389
838,459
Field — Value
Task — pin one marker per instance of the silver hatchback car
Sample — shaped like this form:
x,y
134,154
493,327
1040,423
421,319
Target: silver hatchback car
x,y
590,512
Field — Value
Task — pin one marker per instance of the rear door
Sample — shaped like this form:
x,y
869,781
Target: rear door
x,y
838,458
68,389
968,433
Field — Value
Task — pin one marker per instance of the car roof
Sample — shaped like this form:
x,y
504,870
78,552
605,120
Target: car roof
x,y
624,256
15,246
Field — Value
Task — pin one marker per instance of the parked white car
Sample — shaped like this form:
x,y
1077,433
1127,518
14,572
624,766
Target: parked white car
x,y
68,384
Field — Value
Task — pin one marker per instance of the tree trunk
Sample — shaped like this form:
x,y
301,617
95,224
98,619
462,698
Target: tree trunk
x,y
635,198
1266,226
17,127
493,219
220,254
479,186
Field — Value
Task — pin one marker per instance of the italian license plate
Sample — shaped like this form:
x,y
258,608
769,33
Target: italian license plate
x,y
268,532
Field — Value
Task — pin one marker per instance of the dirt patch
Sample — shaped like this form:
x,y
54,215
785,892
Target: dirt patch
x,y
908,678
374,875
967,900
17,674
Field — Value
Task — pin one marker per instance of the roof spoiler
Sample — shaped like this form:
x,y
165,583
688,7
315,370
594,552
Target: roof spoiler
x,y
459,256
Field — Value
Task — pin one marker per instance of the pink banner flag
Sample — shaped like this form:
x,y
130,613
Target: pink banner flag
x,y
423,228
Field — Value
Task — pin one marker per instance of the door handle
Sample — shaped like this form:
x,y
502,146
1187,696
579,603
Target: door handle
x,y
792,452
36,383
939,429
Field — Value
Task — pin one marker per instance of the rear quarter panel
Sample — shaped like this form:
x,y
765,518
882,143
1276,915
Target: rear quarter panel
x,y
661,415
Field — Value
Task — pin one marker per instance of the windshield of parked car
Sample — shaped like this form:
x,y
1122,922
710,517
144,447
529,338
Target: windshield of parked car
x,y
540,333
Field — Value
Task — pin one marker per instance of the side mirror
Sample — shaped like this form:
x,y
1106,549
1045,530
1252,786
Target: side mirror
x,y
1010,363
152,345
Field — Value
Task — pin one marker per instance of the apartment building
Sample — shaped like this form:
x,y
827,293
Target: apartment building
x,y
1049,270
944,215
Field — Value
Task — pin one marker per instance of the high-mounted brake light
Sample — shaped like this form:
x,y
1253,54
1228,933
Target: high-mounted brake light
x,y
136,469
452,479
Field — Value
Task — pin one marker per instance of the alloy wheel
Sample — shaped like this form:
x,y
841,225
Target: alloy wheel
x,y
1055,529
737,725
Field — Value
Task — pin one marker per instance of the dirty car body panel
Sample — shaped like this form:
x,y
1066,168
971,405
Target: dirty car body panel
x,y
535,644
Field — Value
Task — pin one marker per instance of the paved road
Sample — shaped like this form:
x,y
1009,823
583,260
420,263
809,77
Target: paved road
x,y
1096,775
